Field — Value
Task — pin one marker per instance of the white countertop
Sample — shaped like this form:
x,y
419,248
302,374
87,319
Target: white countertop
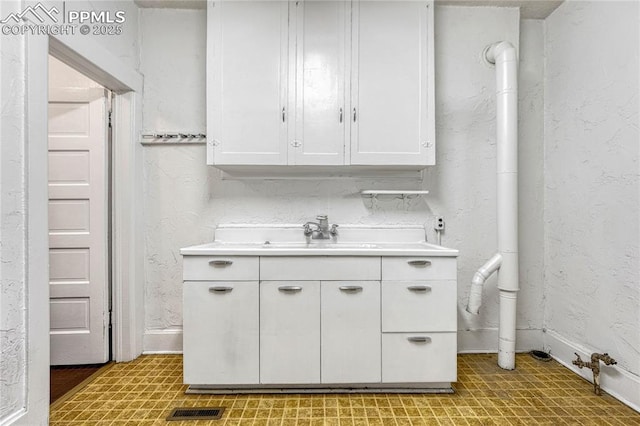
x,y
288,240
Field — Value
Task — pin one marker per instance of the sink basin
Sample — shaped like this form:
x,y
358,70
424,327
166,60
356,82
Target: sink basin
x,y
288,240
284,248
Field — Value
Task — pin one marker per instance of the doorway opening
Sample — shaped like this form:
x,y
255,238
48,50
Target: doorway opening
x,y
79,210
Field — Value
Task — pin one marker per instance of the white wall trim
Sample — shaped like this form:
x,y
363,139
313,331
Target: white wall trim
x,y
486,340
13,417
127,262
163,341
619,383
96,62
37,233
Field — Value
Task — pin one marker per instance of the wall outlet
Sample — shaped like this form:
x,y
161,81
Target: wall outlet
x,y
438,225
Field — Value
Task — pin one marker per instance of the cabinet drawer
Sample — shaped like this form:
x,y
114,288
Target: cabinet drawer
x,y
419,357
319,268
419,306
418,268
221,268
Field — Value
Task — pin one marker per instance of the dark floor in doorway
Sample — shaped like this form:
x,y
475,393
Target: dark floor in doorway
x,y
63,378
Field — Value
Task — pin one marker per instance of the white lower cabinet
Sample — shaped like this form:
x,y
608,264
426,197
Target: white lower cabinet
x,y
350,333
289,332
419,357
272,322
221,327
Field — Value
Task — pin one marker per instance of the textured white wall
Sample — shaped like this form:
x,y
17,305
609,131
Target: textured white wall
x,y
185,199
12,224
531,169
591,204
125,45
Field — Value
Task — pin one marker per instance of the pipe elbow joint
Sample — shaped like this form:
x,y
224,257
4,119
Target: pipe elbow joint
x,y
477,282
475,295
500,49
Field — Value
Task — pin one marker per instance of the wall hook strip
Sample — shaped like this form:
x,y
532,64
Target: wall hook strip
x,y
173,138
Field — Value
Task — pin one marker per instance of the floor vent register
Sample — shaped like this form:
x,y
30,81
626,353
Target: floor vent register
x,y
196,413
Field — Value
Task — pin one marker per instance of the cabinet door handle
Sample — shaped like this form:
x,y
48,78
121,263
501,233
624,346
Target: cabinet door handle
x,y
419,288
220,289
350,288
290,288
419,339
354,115
340,115
420,262
220,262
284,115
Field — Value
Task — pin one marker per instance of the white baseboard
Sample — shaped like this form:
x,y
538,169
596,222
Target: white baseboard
x,y
619,383
162,341
486,340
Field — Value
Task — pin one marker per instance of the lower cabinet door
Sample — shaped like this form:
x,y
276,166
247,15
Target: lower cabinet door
x,y
221,329
419,357
289,332
350,331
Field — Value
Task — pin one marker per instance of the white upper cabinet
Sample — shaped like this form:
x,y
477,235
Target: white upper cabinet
x,y
247,97
392,83
322,131
322,83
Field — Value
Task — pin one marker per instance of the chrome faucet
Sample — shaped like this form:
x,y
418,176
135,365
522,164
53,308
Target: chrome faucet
x,y
322,231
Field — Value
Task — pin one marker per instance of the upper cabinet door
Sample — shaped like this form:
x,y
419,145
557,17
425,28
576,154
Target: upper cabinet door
x,y
247,74
322,126
392,111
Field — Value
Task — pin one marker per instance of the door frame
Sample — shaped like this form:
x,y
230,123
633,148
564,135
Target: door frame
x,y
101,65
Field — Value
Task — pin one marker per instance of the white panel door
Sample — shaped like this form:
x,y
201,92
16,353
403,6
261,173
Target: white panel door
x,y
350,333
289,332
247,77
392,114
322,124
221,340
78,226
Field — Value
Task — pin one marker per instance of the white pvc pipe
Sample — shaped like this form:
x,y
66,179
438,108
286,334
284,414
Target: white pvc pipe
x,y
507,330
485,271
503,55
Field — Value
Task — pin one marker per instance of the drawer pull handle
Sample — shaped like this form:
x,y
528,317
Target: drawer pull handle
x,y
419,339
290,288
419,262
220,289
419,288
350,288
220,262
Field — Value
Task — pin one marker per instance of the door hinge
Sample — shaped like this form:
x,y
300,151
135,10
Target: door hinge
x,y
109,115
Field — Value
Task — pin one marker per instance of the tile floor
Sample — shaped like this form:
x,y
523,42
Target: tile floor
x,y
144,391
